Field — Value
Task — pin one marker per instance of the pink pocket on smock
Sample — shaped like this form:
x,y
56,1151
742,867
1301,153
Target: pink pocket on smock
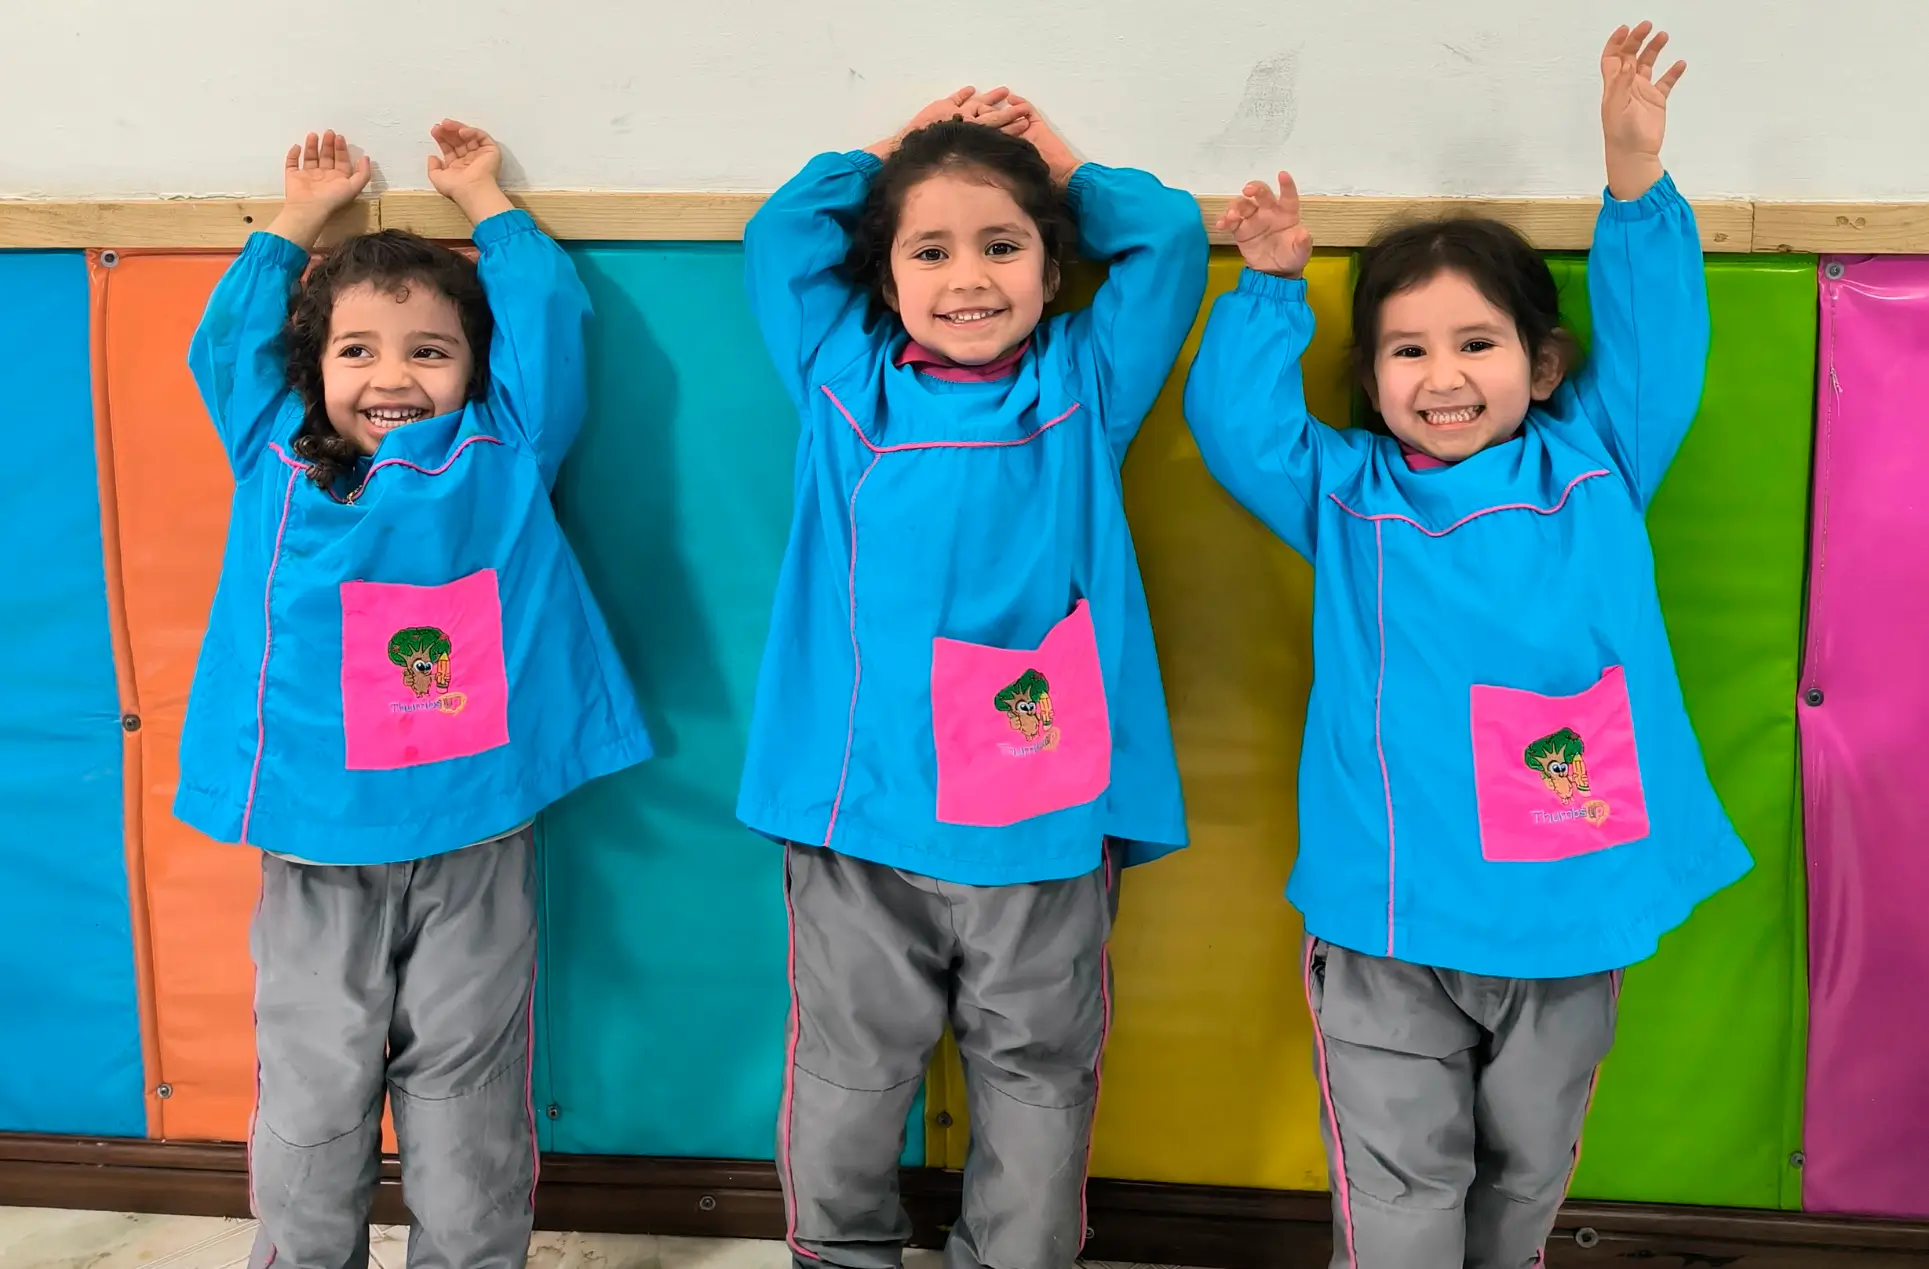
x,y
1020,734
422,672
1556,776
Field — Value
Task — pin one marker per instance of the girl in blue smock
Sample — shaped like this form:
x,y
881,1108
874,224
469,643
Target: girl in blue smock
x,y
960,731
1502,802
403,665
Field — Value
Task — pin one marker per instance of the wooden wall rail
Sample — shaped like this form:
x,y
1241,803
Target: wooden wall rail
x,y
1552,224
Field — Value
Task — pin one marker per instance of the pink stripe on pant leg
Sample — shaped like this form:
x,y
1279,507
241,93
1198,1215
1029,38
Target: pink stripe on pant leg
x,y
1340,1193
790,1075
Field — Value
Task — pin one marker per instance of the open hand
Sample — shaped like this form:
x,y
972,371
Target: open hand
x,y
318,180
467,169
1634,107
1267,230
1045,139
320,175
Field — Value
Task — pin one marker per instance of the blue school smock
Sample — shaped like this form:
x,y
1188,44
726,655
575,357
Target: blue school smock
x,y
960,679
416,663
1499,775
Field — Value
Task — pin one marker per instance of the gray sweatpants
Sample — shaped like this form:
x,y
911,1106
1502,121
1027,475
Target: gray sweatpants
x,y
417,977
880,960
1458,1100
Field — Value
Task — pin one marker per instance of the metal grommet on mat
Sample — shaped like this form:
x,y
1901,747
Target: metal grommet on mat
x,y
108,259
1833,269
1586,1237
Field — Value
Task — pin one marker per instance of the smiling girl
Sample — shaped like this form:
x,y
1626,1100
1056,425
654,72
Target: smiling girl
x,y
960,730
402,666
1483,845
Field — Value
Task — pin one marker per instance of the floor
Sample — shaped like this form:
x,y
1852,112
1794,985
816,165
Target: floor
x,y
45,1238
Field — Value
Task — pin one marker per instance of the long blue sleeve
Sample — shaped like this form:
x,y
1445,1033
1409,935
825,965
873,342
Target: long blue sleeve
x,y
1155,244
1246,405
238,354
812,318
538,384
1648,294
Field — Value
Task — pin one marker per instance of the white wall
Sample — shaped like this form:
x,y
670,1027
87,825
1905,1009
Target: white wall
x,y
1800,99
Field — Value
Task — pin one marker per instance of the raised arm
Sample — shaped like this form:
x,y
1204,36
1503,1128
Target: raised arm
x,y
794,250
238,353
1647,290
538,385
1155,245
1245,400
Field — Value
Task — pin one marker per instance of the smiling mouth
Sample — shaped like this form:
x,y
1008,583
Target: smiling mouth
x,y
969,316
385,417
1459,416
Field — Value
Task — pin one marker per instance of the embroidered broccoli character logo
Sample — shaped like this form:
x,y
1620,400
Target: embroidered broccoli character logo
x,y
1027,707
1560,760
422,653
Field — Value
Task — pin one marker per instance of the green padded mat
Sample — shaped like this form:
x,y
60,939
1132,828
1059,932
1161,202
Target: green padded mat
x,y
1701,1100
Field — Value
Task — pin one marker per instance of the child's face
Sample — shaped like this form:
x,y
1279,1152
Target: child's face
x,y
393,358
1451,375
969,274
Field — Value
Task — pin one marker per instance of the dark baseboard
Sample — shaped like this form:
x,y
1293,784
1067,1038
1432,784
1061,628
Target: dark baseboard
x,y
1218,1227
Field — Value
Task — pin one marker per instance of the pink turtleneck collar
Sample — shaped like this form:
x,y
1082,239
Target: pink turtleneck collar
x,y
926,362
1420,460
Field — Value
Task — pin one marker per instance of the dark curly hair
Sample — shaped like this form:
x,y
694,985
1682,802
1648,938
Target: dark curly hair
x,y
952,145
391,261
1490,254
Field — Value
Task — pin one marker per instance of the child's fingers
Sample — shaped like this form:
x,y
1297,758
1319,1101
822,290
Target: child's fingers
x,y
1000,117
1667,82
1288,190
963,95
294,158
1649,55
311,151
994,96
1261,194
1236,212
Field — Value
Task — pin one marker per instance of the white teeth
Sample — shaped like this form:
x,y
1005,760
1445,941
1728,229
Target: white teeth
x,y
1465,414
969,315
